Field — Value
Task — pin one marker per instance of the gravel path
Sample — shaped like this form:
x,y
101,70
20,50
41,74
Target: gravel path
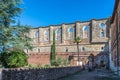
x,y
84,75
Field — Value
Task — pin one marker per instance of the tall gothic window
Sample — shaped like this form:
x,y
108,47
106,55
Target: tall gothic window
x,y
71,33
46,36
36,34
85,32
102,31
58,35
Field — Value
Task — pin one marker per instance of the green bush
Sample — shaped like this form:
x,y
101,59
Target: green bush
x,y
14,59
55,63
60,62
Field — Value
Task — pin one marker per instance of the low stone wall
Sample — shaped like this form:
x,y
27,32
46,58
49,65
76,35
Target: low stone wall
x,y
38,73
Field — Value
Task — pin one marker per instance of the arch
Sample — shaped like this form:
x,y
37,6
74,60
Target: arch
x,y
46,35
102,25
58,34
38,49
71,29
102,48
102,34
83,49
71,33
85,32
36,34
85,28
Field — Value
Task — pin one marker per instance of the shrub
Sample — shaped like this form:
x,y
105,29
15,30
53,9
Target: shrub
x,y
14,59
60,62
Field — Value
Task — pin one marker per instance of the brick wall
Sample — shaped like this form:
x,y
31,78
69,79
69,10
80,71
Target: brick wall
x,y
39,59
44,58
38,74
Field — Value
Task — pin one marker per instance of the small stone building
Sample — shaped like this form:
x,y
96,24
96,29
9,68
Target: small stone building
x,y
94,34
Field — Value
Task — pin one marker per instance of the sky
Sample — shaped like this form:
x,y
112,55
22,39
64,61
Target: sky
x,y
52,12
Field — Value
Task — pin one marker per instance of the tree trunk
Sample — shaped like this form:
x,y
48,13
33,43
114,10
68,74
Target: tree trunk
x,y
78,53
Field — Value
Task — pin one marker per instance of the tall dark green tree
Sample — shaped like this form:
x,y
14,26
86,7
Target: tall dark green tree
x,y
53,50
77,41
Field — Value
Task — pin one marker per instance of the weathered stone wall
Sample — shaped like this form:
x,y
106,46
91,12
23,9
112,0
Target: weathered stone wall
x,y
71,48
115,36
96,30
87,43
91,43
93,32
38,74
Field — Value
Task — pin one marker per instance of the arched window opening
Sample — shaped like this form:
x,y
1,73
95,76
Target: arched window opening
x,y
71,33
102,29
102,33
102,25
66,49
46,35
85,32
102,48
36,35
83,49
71,30
38,50
58,34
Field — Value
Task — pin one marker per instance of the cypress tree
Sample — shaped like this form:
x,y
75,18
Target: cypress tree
x,y
53,52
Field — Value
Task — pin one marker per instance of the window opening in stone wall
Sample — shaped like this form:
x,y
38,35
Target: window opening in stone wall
x,y
66,49
36,35
102,33
102,48
102,27
58,34
38,50
71,33
85,32
83,49
46,35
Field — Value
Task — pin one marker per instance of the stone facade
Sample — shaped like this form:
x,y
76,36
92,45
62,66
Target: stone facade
x,y
115,38
94,35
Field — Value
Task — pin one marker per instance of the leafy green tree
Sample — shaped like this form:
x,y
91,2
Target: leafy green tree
x,y
53,50
77,41
8,10
12,37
